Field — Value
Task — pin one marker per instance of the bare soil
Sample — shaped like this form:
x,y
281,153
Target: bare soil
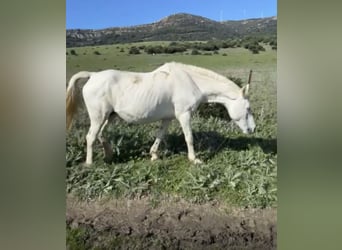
x,y
136,224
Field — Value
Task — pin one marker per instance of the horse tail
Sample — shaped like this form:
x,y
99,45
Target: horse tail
x,y
72,98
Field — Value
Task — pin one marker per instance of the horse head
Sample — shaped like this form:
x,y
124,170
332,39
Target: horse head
x,y
240,112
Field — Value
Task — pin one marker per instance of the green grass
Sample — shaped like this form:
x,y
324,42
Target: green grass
x,y
238,170
111,57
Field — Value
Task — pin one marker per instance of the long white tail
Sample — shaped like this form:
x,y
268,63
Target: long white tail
x,y
72,98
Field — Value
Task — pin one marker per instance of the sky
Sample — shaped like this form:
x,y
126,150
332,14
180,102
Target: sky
x,y
97,14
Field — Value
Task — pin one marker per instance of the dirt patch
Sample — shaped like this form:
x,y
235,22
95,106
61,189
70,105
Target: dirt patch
x,y
135,224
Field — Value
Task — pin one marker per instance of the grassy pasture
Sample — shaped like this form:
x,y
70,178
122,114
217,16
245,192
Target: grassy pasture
x,y
112,57
238,170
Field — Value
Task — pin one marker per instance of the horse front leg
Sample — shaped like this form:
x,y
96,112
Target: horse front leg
x,y
184,120
160,135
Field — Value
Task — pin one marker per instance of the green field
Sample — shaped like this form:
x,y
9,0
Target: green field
x,y
238,170
111,57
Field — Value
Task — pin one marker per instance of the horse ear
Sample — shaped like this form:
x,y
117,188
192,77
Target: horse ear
x,y
244,91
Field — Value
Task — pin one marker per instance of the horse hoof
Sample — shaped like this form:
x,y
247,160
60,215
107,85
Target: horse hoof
x,y
197,161
154,157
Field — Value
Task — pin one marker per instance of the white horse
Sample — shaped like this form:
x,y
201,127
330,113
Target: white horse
x,y
173,90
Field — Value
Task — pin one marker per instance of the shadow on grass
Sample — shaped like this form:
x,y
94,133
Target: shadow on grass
x,y
210,142
214,143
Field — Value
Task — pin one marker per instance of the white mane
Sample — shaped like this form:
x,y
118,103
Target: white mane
x,y
208,73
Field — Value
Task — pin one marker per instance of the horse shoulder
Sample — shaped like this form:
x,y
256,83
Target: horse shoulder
x,y
186,94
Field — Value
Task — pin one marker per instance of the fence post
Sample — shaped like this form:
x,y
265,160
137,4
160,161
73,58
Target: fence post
x,y
250,76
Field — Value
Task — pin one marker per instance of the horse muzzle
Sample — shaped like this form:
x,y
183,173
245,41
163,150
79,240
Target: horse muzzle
x,y
249,131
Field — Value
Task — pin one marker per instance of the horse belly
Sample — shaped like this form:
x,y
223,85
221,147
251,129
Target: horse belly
x,y
147,112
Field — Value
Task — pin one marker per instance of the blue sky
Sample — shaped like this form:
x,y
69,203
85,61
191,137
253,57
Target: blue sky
x,y
96,14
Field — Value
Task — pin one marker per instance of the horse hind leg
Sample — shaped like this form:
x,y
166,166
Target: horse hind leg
x,y
106,145
97,124
160,135
107,148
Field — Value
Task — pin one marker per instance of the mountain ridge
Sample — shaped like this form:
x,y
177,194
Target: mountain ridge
x,y
180,26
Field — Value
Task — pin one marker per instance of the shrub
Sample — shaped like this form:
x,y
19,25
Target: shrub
x,y
97,53
134,50
73,52
195,52
225,45
209,46
173,44
254,50
154,49
174,48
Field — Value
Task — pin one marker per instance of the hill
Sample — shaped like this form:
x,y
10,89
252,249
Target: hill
x,y
176,27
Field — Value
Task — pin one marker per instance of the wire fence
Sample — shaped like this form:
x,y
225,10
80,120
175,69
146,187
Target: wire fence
x,y
258,76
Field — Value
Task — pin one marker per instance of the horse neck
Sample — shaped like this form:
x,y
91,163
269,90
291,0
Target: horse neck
x,y
217,91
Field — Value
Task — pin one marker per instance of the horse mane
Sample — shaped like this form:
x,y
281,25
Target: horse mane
x,y
208,73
